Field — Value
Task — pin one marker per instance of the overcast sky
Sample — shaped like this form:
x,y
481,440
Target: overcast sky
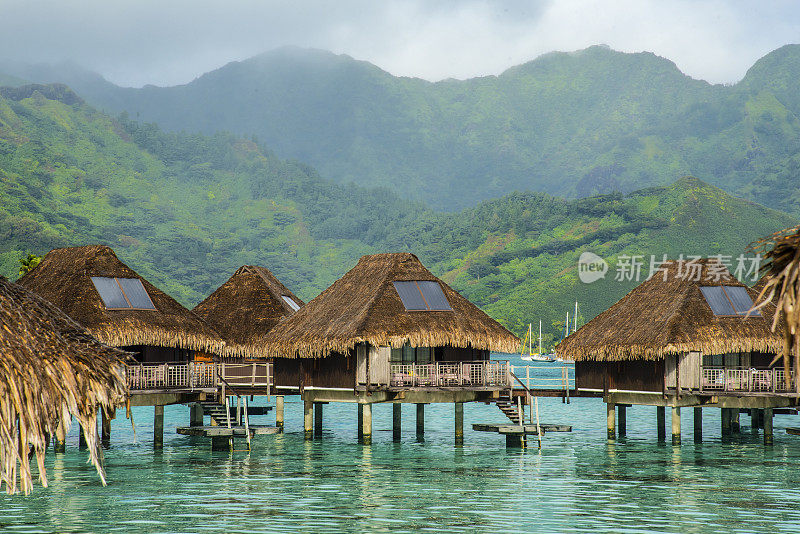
x,y
166,42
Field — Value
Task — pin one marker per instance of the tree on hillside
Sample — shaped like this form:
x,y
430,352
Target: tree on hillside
x,y
27,263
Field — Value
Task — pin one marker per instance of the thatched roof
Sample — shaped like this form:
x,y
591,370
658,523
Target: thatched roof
x,y
781,285
661,317
50,370
64,278
245,308
363,306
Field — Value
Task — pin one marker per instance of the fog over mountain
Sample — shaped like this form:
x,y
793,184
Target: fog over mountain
x,y
136,42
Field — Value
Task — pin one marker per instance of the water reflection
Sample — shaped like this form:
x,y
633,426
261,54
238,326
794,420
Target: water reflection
x,y
577,482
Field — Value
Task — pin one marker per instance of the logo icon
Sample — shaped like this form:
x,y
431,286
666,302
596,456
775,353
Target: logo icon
x,y
591,267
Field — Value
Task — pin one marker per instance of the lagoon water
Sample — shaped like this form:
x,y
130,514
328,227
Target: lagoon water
x,y
578,482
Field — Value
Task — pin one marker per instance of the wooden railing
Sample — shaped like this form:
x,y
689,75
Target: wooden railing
x,y
532,379
734,379
494,373
197,375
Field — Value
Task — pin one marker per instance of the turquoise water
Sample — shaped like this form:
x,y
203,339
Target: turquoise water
x,y
578,482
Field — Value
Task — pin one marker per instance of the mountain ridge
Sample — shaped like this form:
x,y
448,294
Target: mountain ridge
x,y
568,123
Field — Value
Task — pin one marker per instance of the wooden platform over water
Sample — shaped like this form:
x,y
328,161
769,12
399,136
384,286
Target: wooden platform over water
x,y
225,432
520,429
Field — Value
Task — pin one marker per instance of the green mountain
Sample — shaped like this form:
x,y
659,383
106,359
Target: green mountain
x,y
186,210
569,124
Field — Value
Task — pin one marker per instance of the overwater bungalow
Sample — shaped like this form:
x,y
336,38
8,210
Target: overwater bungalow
x,y
173,348
685,337
245,308
389,330
121,308
51,370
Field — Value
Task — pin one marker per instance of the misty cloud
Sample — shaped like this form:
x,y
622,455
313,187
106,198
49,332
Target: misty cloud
x,y
134,42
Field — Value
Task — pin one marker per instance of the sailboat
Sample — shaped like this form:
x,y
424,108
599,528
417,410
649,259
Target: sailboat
x,y
567,330
535,356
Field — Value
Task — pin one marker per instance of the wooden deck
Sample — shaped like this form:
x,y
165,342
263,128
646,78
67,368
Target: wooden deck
x,y
224,431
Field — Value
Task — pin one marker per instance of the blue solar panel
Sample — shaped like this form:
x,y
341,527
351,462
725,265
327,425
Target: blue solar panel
x,y
410,295
434,296
136,293
741,300
110,292
717,300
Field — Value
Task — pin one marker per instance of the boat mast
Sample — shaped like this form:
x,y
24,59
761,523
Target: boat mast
x,y
540,336
575,318
530,341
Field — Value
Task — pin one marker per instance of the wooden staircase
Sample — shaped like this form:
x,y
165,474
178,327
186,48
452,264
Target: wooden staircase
x,y
509,408
216,412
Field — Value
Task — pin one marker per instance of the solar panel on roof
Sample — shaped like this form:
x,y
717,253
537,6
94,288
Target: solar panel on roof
x,y
741,300
136,293
290,301
717,300
433,295
410,295
110,292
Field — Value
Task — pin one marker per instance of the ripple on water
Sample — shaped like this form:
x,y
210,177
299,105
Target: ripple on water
x,y
577,483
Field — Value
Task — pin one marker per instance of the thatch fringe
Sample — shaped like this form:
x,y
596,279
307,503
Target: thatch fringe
x,y
781,282
364,307
661,317
157,336
50,371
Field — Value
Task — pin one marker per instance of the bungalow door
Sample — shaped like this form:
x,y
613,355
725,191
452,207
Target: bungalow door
x,y
361,365
379,366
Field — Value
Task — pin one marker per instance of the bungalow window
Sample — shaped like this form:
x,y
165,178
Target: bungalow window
x,y
409,354
730,360
122,293
422,295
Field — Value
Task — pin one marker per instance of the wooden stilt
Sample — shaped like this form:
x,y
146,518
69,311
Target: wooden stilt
x,y
81,438
158,427
698,424
196,414
459,422
396,421
622,423
420,422
366,424
318,419
768,426
661,423
725,419
735,427
279,412
308,419
221,443
611,432
676,425
360,422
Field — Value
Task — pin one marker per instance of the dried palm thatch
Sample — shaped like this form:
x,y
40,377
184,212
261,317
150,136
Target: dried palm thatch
x,y
781,279
245,308
64,278
670,316
364,307
50,370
